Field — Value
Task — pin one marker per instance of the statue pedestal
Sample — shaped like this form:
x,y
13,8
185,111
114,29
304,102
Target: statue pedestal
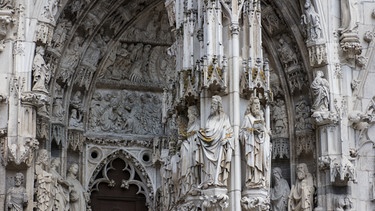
x,y
255,200
215,199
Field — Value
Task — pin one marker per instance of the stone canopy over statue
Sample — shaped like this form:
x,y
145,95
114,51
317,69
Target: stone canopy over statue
x,y
215,146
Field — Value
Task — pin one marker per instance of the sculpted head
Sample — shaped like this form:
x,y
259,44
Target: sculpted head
x,y
193,114
302,171
43,157
18,179
73,169
216,105
254,107
276,174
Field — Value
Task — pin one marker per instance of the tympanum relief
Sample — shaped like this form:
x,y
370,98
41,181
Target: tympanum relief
x,y
129,112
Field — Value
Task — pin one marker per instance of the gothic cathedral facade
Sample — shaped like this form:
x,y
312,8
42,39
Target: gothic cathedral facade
x,y
174,105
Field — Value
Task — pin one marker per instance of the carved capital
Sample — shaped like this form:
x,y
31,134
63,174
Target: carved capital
x,y
255,203
350,44
234,28
6,20
215,199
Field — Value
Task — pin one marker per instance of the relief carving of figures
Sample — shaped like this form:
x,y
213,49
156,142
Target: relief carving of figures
x,y
75,119
303,120
49,11
60,188
70,60
96,49
216,146
189,180
320,89
279,192
77,196
17,198
126,112
60,34
43,184
57,108
41,71
302,193
280,119
311,19
287,54
254,138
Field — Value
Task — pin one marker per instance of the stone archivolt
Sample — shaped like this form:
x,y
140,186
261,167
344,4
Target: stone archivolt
x,y
127,74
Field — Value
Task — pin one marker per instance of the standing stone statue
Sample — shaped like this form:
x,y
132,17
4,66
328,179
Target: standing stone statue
x,y
320,88
302,193
312,21
41,71
60,187
77,195
189,154
279,192
254,139
16,196
215,146
44,196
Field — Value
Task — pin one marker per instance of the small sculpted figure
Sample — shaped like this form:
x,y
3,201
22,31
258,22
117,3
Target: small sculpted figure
x,y
279,192
254,138
77,195
216,146
16,196
302,193
41,71
312,21
320,88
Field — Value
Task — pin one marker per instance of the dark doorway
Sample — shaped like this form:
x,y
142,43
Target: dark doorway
x,y
117,195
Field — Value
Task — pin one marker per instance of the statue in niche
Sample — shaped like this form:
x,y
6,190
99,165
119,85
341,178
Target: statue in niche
x,y
302,193
41,71
43,183
60,187
215,146
135,71
70,61
279,192
303,120
348,15
75,118
59,35
77,196
320,89
287,54
189,154
280,118
312,21
16,198
254,138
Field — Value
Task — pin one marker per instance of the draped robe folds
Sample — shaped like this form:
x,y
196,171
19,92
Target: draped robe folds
x,y
320,88
189,160
77,196
302,195
255,143
16,198
216,150
279,196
